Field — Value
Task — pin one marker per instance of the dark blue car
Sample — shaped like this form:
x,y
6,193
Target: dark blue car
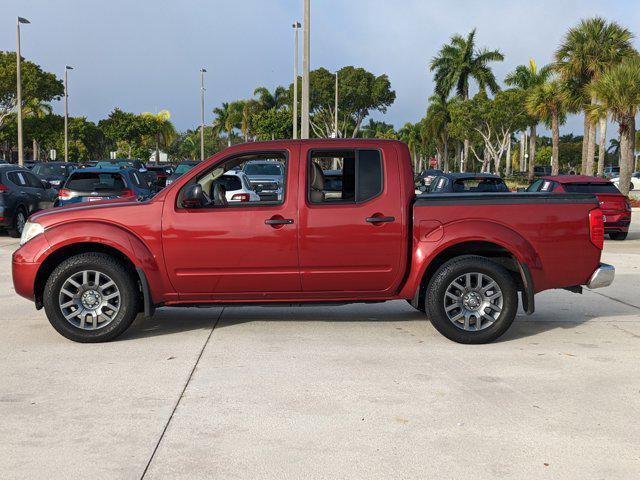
x,y
94,184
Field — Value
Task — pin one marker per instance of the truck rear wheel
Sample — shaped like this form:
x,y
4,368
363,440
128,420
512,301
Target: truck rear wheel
x,y
472,300
91,298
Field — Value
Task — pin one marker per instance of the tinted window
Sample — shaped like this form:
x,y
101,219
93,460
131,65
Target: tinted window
x,y
591,188
262,169
136,179
33,181
535,186
183,168
355,176
93,182
51,170
479,185
18,178
229,182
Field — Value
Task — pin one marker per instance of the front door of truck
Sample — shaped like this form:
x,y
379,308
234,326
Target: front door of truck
x,y
237,246
351,226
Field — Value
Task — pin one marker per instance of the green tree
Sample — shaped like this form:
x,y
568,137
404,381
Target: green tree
x,y
157,131
272,124
124,130
459,62
528,78
618,92
227,118
267,100
587,52
545,102
436,126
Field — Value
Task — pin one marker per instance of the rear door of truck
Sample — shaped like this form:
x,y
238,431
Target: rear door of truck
x,y
351,236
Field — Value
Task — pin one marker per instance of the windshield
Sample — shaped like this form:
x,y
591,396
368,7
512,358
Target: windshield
x,y
51,170
114,164
480,185
262,169
183,168
94,182
591,188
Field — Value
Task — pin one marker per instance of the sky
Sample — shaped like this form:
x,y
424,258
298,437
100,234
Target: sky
x,y
145,56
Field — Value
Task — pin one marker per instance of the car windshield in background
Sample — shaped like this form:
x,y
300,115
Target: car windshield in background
x,y
229,182
591,188
262,169
479,185
95,182
114,164
50,170
183,168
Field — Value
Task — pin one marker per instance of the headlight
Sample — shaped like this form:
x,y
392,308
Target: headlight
x,y
30,230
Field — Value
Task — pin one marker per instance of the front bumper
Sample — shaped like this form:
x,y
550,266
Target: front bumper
x,y
602,277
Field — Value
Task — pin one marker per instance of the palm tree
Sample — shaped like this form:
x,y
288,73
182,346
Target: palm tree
x,y
546,102
161,129
457,63
410,134
227,118
436,126
528,78
587,52
618,92
267,100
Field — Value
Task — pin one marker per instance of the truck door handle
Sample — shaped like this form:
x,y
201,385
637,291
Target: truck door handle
x,y
381,219
279,221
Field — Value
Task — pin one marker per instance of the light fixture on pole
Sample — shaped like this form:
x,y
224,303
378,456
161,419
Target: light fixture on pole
x,y
66,112
296,27
202,72
19,90
306,37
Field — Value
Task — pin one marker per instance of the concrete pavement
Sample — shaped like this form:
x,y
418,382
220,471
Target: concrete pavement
x,y
328,392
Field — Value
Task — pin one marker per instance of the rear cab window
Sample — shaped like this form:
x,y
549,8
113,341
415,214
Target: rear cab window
x,y
591,188
470,185
344,176
94,182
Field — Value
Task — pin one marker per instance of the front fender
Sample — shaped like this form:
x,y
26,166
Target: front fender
x,y
436,239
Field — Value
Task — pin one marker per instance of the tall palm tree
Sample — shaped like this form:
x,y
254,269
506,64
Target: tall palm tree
x,y
588,51
546,102
459,62
410,134
436,126
227,119
528,78
267,100
161,129
618,92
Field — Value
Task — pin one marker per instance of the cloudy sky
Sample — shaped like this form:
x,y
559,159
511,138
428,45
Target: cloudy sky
x,y
144,55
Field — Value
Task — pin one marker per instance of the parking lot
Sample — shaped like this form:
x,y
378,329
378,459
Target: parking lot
x,y
328,392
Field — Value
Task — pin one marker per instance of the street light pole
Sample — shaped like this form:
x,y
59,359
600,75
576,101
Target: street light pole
x,y
202,72
306,27
66,112
296,27
19,91
336,130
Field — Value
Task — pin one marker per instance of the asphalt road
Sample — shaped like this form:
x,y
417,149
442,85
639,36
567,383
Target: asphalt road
x,y
341,392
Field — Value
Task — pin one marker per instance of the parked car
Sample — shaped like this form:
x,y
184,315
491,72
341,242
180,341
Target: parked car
x,y
236,187
461,257
94,184
21,194
148,177
56,173
180,170
266,178
616,208
467,183
541,170
611,172
635,181
162,172
426,177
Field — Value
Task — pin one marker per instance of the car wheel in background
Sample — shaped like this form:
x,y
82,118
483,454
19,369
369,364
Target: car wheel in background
x,y
472,300
618,235
91,297
19,220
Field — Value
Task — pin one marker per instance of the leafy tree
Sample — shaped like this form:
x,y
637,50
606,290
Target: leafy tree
x,y
227,118
124,130
272,124
376,129
38,86
360,93
267,100
587,52
618,92
436,127
545,102
157,130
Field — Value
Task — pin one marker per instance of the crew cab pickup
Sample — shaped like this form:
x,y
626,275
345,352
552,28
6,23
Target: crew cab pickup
x,y
460,258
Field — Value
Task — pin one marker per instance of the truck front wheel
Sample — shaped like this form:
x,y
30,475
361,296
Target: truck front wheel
x,y
91,297
472,300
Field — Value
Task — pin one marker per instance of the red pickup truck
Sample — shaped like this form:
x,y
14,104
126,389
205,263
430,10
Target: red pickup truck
x,y
460,258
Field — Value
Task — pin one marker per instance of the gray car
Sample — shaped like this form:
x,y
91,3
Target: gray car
x,y
266,177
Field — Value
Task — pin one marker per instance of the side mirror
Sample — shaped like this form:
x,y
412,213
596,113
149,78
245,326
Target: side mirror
x,y
193,197
46,184
521,189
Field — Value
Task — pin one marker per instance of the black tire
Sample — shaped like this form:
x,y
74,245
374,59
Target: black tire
x,y
17,225
619,236
452,270
105,264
